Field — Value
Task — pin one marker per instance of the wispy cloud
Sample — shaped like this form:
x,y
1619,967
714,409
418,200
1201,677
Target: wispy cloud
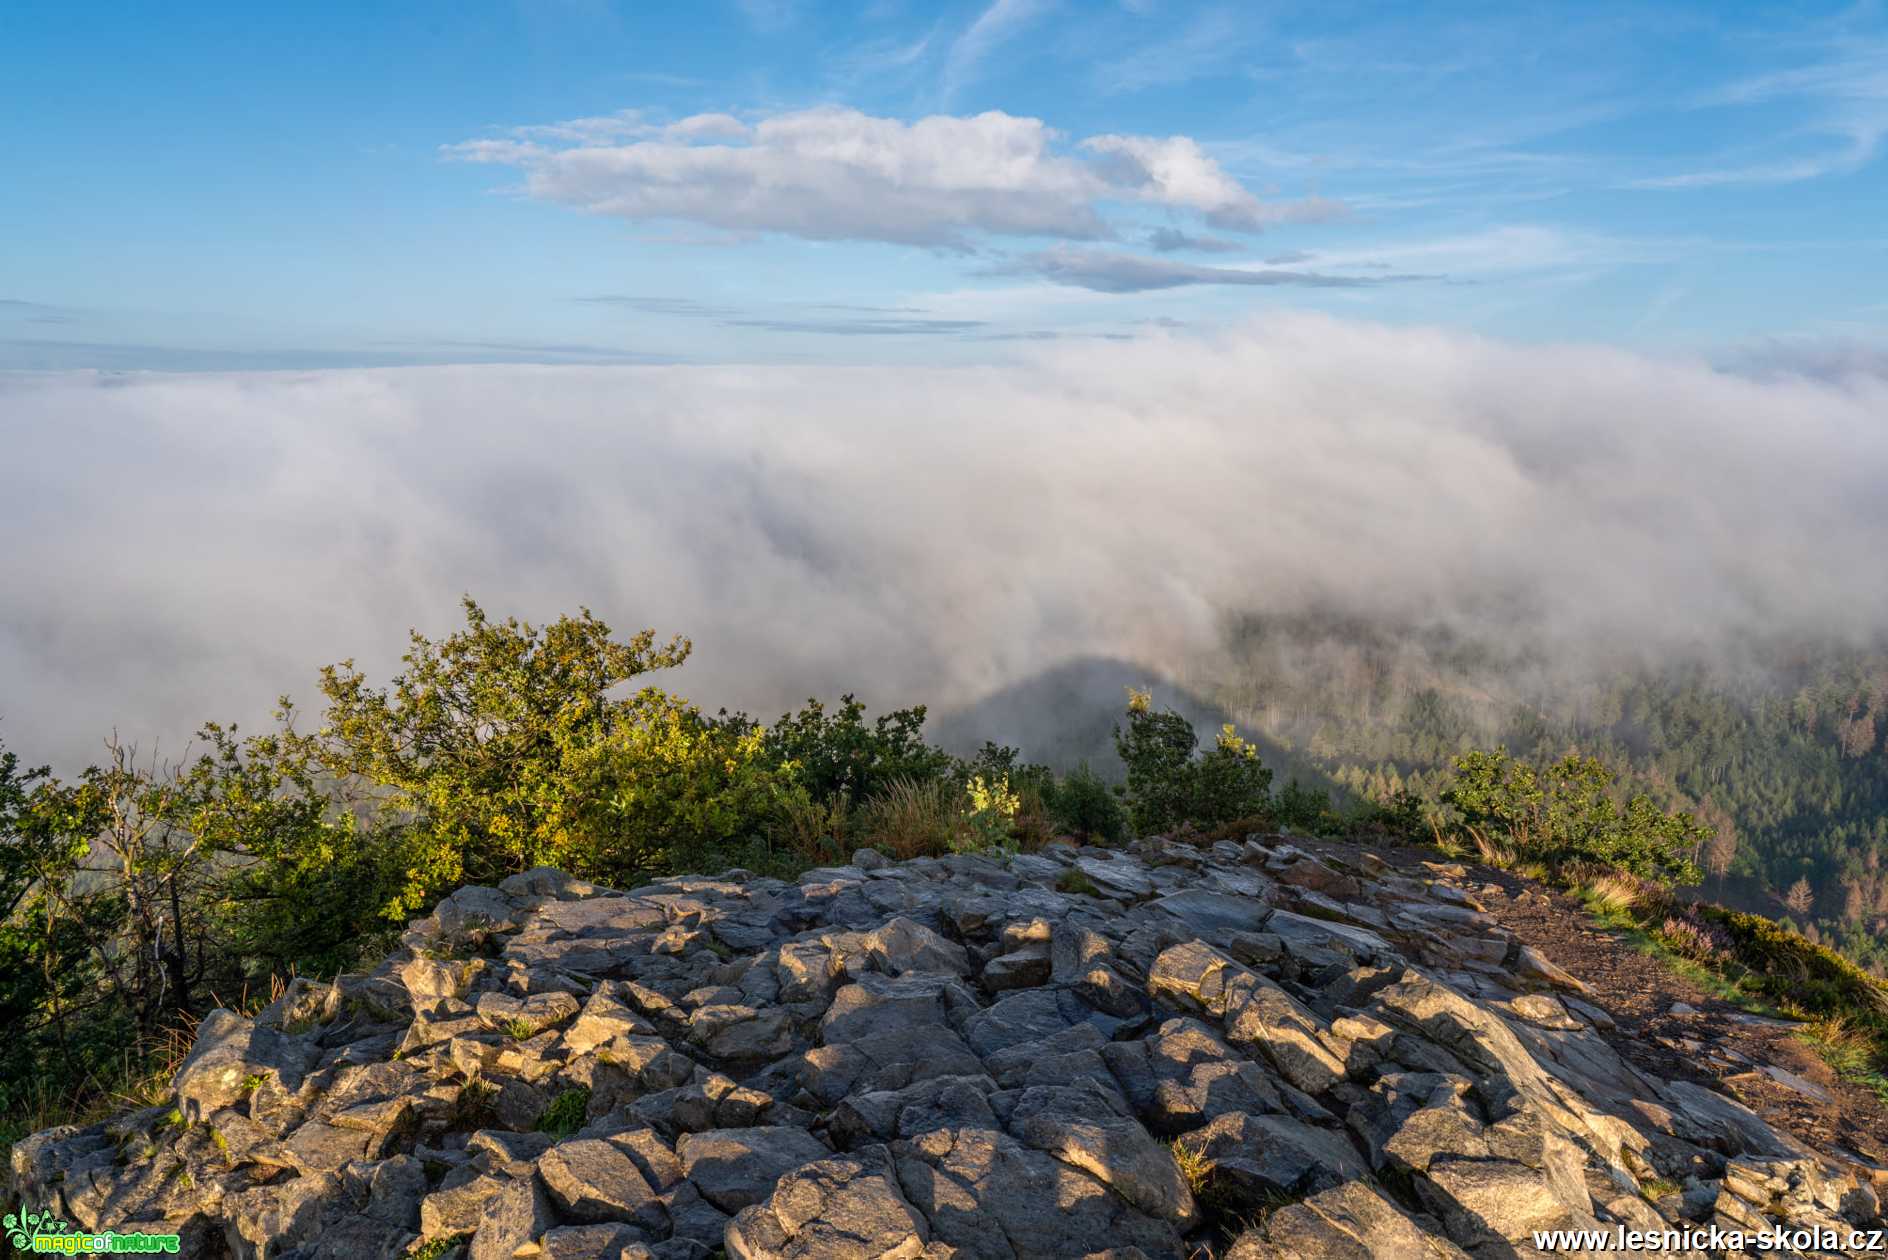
x,y
833,319
1105,271
994,27
1166,240
869,327
1207,43
768,16
1846,94
36,312
687,307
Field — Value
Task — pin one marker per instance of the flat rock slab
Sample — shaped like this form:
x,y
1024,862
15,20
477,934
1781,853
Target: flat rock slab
x,y
1215,914
737,1168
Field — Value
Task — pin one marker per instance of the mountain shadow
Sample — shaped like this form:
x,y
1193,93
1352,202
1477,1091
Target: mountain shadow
x,y
1067,714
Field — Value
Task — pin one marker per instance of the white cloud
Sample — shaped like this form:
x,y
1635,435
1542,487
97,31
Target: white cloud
x,y
917,534
1175,171
837,174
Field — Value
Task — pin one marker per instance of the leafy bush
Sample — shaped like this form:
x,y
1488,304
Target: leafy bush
x,y
1564,812
504,743
839,753
1167,786
993,809
1305,809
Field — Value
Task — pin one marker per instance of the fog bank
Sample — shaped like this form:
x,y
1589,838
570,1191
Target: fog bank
x,y
187,547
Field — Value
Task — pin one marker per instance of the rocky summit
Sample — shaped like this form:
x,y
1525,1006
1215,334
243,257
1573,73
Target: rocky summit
x,y
1244,1049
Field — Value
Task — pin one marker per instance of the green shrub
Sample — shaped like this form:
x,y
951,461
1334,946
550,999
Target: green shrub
x,y
1167,786
1793,971
1564,812
1305,809
840,753
1083,805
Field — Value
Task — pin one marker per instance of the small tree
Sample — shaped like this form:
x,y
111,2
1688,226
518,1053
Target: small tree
x,y
1157,750
1800,897
503,747
1166,786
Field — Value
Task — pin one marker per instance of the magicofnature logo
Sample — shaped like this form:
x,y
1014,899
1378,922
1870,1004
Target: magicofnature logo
x,y
45,1234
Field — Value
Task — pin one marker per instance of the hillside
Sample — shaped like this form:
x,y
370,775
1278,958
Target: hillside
x,y
1781,746
1244,1049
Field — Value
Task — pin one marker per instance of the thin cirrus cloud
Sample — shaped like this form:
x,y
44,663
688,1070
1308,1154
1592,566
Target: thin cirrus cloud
x,y
1846,97
1108,271
1001,22
833,173
834,319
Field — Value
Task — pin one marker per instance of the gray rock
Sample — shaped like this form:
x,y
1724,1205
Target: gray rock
x,y
594,1180
902,946
229,1056
938,1103
1494,1201
518,1214
1027,1016
1184,1076
473,909
1113,1150
1263,1157
846,1208
1216,916
1348,1222
988,1195
875,1004
1020,969
594,1242
1120,877
456,1206
742,1033
1031,1126
735,1168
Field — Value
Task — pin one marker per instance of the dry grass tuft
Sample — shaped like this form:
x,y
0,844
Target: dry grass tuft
x,y
916,819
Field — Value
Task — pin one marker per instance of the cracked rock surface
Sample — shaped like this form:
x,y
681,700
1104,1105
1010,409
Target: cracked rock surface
x,y
1245,1049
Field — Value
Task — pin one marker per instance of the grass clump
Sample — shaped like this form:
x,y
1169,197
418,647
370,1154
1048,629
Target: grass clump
x,y
476,1105
566,1114
433,1248
1074,880
1655,1188
1195,1168
519,1028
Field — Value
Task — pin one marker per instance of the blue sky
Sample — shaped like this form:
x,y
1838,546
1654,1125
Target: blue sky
x,y
215,186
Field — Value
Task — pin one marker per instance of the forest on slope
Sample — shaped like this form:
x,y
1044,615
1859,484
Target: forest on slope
x,y
1781,747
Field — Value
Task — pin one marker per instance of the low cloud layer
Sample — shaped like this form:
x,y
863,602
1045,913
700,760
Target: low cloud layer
x,y
831,173
186,547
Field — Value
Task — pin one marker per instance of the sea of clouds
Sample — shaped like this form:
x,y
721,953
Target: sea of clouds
x,y
188,546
